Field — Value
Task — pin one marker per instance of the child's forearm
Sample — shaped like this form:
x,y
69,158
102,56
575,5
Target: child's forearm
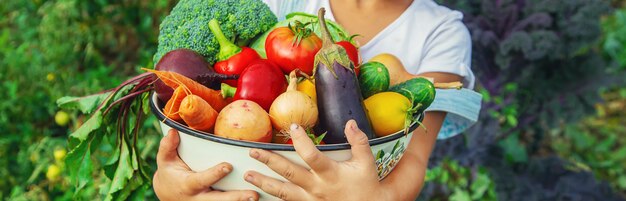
x,y
407,179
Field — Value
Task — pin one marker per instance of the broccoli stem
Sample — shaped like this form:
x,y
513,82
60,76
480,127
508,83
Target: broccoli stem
x,y
227,48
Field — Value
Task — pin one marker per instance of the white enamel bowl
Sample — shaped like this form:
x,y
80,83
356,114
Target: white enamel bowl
x,y
201,150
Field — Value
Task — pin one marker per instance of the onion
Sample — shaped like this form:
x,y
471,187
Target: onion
x,y
293,107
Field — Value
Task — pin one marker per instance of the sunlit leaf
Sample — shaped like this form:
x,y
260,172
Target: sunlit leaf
x,y
123,172
87,129
460,195
479,186
86,104
79,164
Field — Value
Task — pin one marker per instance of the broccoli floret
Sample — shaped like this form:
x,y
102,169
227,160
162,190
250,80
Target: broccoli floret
x,y
187,25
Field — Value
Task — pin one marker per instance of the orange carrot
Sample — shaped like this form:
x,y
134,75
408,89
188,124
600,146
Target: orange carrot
x,y
171,107
173,79
197,113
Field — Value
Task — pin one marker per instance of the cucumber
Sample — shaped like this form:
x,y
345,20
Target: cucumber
x,y
419,90
374,78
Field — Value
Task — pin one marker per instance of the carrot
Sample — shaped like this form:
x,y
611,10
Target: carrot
x,y
197,113
173,79
171,107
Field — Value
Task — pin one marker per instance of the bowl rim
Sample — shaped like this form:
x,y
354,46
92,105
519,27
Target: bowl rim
x,y
154,101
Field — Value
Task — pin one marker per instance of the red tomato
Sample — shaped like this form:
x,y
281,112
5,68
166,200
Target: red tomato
x,y
353,54
293,48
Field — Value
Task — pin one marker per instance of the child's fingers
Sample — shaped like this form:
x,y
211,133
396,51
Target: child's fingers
x,y
282,190
202,181
308,152
359,143
289,170
240,195
167,148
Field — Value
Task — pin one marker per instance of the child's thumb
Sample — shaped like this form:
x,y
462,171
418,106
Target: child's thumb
x,y
167,149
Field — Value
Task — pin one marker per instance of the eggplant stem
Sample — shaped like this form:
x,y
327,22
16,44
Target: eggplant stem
x,y
326,38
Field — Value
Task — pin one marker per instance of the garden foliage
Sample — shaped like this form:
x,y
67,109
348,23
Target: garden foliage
x,y
540,65
53,48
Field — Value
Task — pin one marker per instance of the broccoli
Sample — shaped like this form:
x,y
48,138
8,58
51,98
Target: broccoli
x,y
187,25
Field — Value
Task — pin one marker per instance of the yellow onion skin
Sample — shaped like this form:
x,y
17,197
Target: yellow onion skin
x,y
293,107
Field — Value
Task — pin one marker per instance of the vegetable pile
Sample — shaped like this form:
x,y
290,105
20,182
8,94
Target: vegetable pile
x,y
322,90
303,70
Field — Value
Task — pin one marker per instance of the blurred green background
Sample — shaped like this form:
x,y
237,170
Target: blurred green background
x,y
519,151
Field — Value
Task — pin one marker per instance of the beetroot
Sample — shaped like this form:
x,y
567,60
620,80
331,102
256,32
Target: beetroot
x,y
190,64
183,61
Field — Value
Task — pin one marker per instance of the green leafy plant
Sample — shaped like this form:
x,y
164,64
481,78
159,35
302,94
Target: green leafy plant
x,y
614,44
51,48
461,183
595,143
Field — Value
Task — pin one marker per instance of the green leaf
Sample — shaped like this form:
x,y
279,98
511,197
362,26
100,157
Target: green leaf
x,y
134,160
86,104
93,123
445,176
123,172
462,181
512,120
460,195
480,186
79,164
486,95
146,100
621,182
431,174
514,151
498,100
112,163
510,87
620,154
605,145
135,182
139,193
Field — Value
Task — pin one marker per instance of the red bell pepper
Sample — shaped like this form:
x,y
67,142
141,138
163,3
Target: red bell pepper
x,y
232,59
261,82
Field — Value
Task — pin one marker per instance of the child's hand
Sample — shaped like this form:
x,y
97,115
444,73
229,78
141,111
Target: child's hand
x,y
354,179
174,180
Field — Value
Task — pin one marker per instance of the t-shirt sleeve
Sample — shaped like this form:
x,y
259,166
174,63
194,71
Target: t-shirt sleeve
x,y
273,5
449,50
281,8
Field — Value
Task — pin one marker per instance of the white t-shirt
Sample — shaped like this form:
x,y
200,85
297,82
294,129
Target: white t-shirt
x,y
427,37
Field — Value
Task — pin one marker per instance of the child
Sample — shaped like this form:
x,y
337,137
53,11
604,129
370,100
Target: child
x,y
429,39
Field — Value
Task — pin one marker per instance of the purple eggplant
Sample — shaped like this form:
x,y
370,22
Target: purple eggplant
x,y
338,92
